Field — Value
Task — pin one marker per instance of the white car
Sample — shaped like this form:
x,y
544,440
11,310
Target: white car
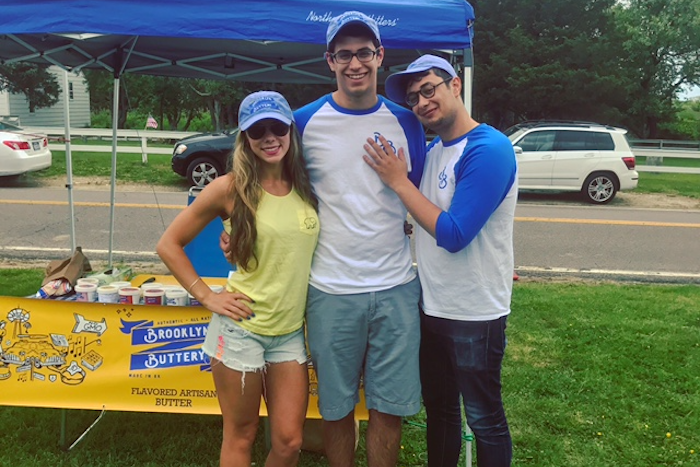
x,y
22,152
574,156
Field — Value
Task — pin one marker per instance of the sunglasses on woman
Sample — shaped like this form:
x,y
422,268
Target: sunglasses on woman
x,y
259,130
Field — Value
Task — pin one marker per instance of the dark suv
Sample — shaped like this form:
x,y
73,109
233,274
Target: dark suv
x,y
202,158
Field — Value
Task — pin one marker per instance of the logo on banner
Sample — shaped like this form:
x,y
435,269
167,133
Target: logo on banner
x,y
169,346
48,356
326,17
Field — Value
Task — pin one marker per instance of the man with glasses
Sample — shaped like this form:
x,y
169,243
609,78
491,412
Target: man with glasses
x,y
464,247
362,309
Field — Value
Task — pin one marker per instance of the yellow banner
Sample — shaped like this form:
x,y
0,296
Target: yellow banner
x,y
77,355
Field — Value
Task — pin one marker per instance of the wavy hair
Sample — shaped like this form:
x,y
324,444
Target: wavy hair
x,y
246,192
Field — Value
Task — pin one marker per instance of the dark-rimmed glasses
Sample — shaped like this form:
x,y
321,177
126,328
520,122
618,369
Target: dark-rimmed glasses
x,y
427,91
345,56
259,130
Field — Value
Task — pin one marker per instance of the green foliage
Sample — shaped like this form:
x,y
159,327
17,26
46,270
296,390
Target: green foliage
x,y
660,44
619,63
201,123
101,119
550,59
174,102
34,81
686,124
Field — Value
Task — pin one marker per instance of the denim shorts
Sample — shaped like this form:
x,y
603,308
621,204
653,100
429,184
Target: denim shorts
x,y
246,351
374,336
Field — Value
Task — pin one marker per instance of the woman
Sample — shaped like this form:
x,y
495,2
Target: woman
x,y
256,335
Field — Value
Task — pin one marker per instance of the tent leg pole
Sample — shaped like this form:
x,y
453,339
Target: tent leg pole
x,y
87,430
115,122
82,435
69,158
468,79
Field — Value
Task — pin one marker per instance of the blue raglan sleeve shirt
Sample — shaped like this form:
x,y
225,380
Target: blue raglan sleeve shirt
x,y
484,175
415,136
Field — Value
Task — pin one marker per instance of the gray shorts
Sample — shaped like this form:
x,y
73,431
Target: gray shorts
x,y
246,351
373,335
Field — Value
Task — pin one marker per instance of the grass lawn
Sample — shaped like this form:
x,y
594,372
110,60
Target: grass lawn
x,y
130,169
595,375
672,161
670,183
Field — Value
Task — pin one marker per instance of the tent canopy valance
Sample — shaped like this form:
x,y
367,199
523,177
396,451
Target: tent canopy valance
x,y
246,40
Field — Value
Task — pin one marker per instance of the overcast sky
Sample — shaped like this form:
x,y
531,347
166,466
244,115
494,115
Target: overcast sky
x,y
691,93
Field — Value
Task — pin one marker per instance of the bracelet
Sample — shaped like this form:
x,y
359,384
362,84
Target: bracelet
x,y
189,289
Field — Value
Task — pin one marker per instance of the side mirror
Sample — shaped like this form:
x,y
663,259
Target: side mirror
x,y
518,150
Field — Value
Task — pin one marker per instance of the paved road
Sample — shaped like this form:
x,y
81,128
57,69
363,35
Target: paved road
x,y
609,240
549,239
35,222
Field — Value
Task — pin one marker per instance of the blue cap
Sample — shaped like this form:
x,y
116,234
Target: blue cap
x,y
351,17
261,105
396,83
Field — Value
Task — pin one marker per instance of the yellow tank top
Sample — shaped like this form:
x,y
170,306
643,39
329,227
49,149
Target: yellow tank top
x,y
288,230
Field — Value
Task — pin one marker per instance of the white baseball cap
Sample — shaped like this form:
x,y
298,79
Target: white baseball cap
x,y
395,85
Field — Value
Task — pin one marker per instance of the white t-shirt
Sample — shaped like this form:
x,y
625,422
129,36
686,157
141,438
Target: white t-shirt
x,y
466,270
362,246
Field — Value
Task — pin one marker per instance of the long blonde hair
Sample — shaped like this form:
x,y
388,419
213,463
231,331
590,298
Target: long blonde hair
x,y
246,192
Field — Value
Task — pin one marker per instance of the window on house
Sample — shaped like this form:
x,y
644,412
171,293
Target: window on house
x,y
70,91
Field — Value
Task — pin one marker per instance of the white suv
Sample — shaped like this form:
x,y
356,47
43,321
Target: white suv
x,y
574,156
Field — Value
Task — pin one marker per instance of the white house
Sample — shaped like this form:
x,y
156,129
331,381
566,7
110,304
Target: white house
x,y
16,105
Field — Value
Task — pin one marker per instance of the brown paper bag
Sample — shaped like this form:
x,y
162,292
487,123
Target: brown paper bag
x,y
70,269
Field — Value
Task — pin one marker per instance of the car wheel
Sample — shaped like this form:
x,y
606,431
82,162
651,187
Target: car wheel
x,y
202,171
600,188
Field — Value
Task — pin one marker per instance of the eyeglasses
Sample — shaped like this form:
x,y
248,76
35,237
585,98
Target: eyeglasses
x,y
345,56
259,130
427,91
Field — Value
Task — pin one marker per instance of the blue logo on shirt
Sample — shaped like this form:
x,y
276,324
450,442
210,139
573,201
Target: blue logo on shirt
x,y
442,176
376,140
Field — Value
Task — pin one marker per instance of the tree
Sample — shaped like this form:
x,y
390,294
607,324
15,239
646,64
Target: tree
x,y
544,59
34,81
222,101
686,124
660,43
172,98
101,86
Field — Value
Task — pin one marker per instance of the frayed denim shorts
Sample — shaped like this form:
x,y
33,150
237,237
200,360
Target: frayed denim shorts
x,y
245,351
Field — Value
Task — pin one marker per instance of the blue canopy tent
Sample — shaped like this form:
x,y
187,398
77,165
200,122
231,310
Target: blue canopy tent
x,y
260,41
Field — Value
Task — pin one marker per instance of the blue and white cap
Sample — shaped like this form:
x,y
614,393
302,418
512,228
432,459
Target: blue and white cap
x,y
395,85
347,18
261,105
